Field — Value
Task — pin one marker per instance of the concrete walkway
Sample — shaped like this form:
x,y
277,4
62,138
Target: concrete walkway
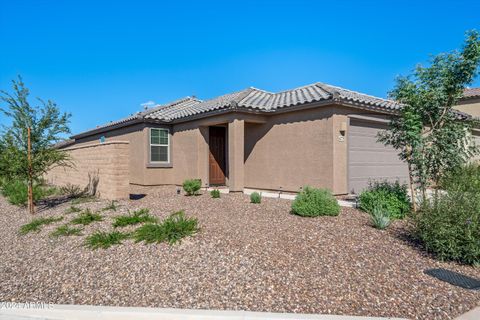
x,y
81,312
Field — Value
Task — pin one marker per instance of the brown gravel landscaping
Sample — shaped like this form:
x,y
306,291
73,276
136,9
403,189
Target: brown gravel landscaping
x,y
255,257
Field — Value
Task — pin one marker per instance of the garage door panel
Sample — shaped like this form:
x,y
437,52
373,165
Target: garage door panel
x,y
370,160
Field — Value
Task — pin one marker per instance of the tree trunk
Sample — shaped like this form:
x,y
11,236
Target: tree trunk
x,y
31,207
410,180
412,189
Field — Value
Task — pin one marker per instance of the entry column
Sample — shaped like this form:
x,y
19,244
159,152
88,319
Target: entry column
x,y
236,137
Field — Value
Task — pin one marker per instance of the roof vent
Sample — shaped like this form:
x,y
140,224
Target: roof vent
x,y
148,104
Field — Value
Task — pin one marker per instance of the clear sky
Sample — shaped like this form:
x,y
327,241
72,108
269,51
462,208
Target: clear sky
x,y
100,60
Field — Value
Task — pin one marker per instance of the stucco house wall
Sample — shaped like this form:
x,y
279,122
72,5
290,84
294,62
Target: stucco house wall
x,y
284,151
470,106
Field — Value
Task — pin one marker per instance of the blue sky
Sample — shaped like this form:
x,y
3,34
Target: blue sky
x,y
100,60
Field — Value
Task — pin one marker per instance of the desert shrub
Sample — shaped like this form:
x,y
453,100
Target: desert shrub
x,y
448,225
105,240
138,216
171,230
380,217
36,224
215,193
465,178
84,198
112,206
71,191
255,197
393,197
72,209
66,230
192,186
312,202
17,192
87,217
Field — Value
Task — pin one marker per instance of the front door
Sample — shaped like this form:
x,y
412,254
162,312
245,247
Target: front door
x,y
217,156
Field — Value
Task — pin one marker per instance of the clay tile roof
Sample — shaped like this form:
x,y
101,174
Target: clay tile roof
x,y
471,92
256,99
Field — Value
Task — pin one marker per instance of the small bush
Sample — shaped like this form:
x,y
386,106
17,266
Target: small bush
x,y
66,230
255,197
139,216
83,199
87,217
466,179
448,225
73,209
72,191
17,192
393,197
215,193
105,240
192,186
171,230
36,224
312,202
112,206
380,217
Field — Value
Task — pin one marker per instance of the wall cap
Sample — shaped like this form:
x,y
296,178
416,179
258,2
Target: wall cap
x,y
93,145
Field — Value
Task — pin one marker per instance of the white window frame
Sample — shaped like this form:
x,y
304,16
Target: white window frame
x,y
159,145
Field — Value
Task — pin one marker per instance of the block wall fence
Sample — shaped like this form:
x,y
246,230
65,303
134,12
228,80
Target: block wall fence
x,y
104,164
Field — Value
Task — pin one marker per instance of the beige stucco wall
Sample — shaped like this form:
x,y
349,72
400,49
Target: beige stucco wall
x,y
296,149
107,162
470,106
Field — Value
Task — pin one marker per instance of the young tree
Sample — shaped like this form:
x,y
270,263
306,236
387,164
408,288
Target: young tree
x,y
429,134
46,125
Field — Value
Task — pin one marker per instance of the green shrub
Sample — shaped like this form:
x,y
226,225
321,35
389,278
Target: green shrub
x,y
36,224
83,199
139,216
312,202
66,230
17,192
255,197
171,230
380,217
73,209
192,186
112,206
393,197
215,193
87,217
105,240
466,179
448,225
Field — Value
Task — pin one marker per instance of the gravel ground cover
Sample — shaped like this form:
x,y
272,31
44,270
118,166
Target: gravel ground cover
x,y
247,256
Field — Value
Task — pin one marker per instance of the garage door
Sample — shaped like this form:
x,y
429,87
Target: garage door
x,y
370,160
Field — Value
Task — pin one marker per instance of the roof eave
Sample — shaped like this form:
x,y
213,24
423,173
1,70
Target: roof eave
x,y
116,126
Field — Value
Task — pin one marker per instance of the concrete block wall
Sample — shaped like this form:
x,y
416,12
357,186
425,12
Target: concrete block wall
x,y
108,162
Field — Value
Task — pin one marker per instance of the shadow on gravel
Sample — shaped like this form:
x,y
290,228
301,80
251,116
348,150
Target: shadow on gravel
x,y
49,203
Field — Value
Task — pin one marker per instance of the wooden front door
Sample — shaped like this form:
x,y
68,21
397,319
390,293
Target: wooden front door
x,y
217,161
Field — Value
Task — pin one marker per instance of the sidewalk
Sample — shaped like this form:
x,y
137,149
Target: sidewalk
x,y
83,312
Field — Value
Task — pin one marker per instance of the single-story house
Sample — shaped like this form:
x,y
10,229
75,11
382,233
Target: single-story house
x,y
320,135
470,102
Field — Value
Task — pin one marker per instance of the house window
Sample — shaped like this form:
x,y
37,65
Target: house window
x,y
159,145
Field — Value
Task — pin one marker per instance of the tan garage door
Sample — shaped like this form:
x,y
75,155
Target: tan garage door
x,y
370,160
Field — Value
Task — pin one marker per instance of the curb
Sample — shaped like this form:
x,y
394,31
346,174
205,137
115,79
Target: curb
x,y
86,312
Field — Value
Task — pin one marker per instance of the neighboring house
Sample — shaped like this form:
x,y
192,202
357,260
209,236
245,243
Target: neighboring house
x,y
318,135
470,103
